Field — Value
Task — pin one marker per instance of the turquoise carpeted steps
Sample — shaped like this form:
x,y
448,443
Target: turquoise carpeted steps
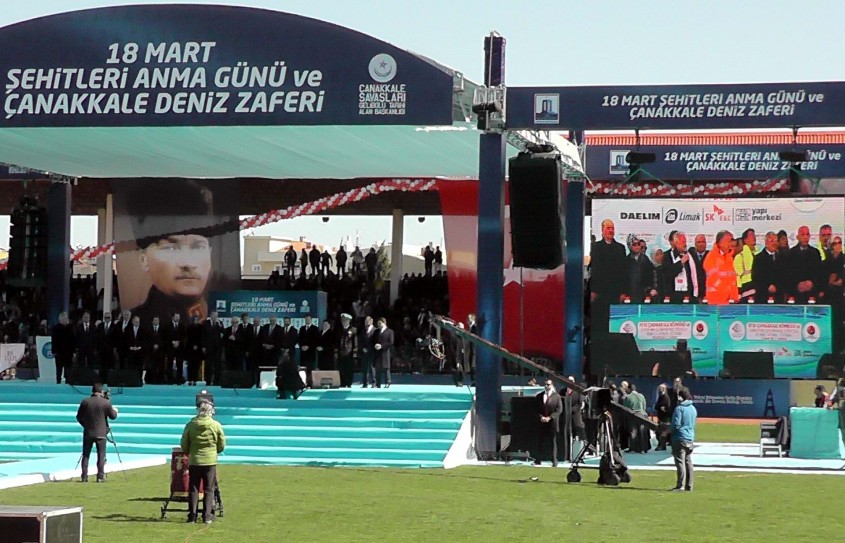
x,y
403,426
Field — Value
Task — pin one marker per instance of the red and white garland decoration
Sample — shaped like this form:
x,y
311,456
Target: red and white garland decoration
x,y
326,203
654,188
319,205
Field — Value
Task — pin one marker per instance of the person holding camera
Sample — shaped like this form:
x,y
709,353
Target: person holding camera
x,y
93,415
203,439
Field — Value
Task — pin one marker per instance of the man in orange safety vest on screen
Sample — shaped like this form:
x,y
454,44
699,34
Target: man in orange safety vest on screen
x,y
721,275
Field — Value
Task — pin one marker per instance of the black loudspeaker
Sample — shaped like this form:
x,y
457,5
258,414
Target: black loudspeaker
x,y
81,376
831,366
615,354
596,400
125,378
536,212
749,365
525,430
237,379
669,364
325,379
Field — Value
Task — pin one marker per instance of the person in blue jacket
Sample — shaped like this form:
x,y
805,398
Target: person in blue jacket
x,y
683,437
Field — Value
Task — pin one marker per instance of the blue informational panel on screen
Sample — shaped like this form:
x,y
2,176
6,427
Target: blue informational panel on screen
x,y
797,335
658,327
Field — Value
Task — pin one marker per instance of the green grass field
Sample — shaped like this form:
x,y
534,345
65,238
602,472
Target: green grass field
x,y
466,504
712,432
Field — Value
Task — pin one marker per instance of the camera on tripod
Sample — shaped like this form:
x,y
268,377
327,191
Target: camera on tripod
x,y
428,343
597,400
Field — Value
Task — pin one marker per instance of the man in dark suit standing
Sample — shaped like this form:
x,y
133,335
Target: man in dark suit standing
x,y
105,345
308,338
271,337
382,343
640,272
290,337
346,350
193,349
135,345
549,406
93,415
62,343
236,341
607,279
156,362
325,348
767,272
367,345
86,342
174,341
121,330
804,265
212,348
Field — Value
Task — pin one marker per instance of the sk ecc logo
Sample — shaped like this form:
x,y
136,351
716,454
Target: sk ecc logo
x,y
811,332
382,68
699,330
628,327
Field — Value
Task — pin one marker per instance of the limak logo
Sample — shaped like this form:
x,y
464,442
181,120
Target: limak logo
x,y
382,68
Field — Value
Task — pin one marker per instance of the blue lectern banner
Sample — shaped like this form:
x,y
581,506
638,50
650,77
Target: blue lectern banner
x,y
798,335
269,303
659,327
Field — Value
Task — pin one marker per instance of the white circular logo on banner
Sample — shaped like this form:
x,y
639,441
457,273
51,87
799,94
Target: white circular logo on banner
x,y
383,68
699,330
812,332
736,330
628,327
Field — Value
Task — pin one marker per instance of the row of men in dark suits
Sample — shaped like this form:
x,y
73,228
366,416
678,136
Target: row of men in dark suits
x,y
799,274
161,350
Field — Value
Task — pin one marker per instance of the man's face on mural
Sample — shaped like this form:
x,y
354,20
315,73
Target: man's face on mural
x,y
179,265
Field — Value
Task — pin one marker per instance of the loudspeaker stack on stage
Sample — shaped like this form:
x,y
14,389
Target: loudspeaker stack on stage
x,y
536,210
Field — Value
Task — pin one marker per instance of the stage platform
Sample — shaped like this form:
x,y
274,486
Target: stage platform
x,y
400,426
737,457
65,466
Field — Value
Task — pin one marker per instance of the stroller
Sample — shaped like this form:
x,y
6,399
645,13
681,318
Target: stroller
x,y
179,486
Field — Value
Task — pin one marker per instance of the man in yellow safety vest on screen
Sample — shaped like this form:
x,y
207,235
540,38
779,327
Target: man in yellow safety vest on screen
x,y
743,262
824,247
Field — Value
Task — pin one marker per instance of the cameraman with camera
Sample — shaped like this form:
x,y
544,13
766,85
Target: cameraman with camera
x,y
93,415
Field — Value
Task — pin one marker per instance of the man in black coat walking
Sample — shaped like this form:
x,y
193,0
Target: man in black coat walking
x,y
93,415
